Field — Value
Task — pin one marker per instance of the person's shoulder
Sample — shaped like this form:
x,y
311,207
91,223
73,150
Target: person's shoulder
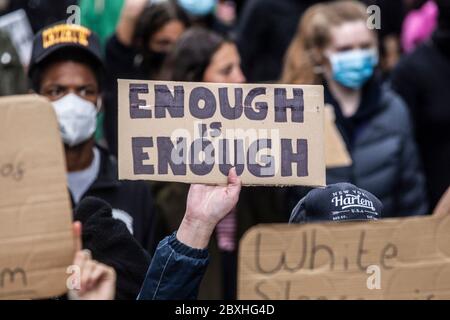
x,y
393,101
396,112
419,59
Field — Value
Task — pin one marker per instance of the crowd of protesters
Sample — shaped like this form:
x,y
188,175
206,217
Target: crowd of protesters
x,y
388,87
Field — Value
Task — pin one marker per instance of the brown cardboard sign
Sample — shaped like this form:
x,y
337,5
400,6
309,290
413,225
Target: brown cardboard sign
x,y
195,132
36,241
336,153
385,259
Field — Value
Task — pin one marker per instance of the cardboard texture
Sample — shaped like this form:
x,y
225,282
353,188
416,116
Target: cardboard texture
x,y
36,241
336,153
405,258
202,124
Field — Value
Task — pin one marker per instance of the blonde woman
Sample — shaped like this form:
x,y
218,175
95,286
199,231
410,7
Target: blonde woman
x,y
334,47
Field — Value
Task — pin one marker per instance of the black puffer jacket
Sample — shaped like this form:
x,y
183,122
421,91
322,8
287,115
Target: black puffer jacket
x,y
386,162
422,78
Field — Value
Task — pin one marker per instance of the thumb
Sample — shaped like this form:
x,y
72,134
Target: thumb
x,y
77,228
234,183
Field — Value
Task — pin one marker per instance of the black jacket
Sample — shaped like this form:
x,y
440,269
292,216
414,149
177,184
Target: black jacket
x,y
385,158
112,244
264,32
41,13
121,62
129,199
423,80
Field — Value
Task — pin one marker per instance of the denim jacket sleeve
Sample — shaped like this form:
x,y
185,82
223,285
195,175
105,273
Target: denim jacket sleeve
x,y
175,272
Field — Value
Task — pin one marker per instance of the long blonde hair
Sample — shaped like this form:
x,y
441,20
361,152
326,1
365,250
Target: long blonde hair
x,y
305,54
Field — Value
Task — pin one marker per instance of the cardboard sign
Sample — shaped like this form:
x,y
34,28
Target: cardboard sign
x,y
336,153
36,241
18,27
386,259
195,132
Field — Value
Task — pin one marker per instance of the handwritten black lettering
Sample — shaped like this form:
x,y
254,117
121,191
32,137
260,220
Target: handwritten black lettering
x,y
136,104
13,171
137,145
166,151
164,100
321,247
282,103
259,291
361,252
282,263
10,274
288,156
390,251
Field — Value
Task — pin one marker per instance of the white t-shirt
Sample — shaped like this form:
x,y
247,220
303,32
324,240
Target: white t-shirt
x,y
80,181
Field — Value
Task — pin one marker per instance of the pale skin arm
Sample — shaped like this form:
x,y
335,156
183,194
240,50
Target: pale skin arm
x,y
98,281
128,18
206,206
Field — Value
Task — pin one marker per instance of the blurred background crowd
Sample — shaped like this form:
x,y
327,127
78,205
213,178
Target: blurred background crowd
x,y
389,87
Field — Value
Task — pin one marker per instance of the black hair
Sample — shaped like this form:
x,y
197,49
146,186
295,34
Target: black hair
x,y
153,18
444,14
192,55
62,55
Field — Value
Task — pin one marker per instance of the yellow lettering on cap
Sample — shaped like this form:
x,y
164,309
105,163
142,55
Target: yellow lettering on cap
x,y
65,33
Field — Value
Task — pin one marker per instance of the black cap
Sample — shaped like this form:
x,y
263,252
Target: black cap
x,y
60,36
337,202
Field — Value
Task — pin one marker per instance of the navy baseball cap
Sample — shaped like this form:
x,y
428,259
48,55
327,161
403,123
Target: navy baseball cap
x,y
61,36
337,202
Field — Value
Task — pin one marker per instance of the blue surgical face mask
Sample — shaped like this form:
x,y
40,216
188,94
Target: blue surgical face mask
x,y
198,8
353,68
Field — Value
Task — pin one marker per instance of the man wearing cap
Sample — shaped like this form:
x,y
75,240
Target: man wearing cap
x,y
66,67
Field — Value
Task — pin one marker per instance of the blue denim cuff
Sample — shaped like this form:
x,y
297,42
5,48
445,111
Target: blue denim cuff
x,y
185,250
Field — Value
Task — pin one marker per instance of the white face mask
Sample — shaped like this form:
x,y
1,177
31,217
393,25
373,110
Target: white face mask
x,y
77,118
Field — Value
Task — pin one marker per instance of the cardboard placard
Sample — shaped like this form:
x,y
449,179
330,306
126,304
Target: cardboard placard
x,y
385,259
336,153
18,27
36,241
195,132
